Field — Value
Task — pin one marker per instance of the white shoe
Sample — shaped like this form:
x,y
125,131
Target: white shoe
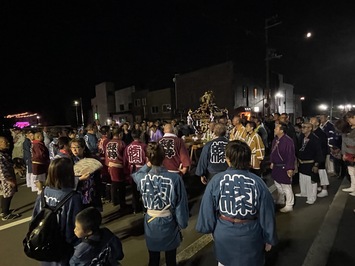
x,y
286,209
352,194
349,189
324,193
300,195
310,202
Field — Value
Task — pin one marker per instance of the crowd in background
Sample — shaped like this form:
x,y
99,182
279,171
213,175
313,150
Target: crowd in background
x,y
308,152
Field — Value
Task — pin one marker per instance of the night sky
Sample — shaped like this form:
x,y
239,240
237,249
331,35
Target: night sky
x,y
54,52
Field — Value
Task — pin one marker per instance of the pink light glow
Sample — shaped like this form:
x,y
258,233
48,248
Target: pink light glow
x,y
21,124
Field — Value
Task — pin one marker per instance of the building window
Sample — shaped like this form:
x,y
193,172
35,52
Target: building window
x,y
121,107
155,109
144,101
166,108
130,105
137,103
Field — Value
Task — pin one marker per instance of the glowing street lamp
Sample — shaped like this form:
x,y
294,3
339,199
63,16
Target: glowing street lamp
x,y
309,35
323,107
38,118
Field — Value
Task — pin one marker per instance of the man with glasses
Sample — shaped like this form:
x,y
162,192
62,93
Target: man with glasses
x,y
309,157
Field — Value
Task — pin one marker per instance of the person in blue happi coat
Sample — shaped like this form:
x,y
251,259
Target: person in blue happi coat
x,y
238,209
164,196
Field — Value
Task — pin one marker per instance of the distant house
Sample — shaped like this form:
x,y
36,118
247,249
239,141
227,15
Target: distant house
x,y
231,88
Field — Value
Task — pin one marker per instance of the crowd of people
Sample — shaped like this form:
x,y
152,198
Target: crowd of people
x,y
151,158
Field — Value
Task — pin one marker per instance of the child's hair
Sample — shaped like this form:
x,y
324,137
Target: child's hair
x,y
90,219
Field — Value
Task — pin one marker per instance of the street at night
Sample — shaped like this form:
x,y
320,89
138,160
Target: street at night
x,y
320,234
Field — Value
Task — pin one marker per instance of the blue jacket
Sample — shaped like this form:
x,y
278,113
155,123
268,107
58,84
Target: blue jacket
x,y
91,247
242,195
159,189
212,159
67,216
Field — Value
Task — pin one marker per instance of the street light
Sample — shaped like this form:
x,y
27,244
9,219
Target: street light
x,y
323,107
269,54
76,103
38,117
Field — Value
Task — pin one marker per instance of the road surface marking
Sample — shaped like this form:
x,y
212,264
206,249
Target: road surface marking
x,y
6,226
322,245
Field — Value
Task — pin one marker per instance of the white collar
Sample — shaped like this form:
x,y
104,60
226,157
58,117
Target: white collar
x,y
169,135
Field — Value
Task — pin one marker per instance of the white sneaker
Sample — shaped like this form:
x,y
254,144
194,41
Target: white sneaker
x,y
300,195
286,209
310,202
324,193
349,189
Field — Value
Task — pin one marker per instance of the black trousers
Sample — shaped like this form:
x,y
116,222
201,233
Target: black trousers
x,y
5,205
170,258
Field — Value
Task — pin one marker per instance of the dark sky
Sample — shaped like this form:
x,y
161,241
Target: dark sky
x,y
54,52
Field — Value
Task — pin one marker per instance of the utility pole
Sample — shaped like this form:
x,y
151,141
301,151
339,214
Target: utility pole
x,y
82,112
269,54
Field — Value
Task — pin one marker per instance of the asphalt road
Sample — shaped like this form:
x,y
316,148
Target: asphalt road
x,y
297,231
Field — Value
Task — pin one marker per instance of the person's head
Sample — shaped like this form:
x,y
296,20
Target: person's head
x,y
30,134
136,134
299,120
211,126
77,147
280,129
38,136
307,128
168,128
90,128
87,222
4,143
250,126
298,128
350,118
155,153
222,120
238,155
105,130
258,121
341,125
236,120
323,118
276,116
63,143
315,121
283,118
153,128
220,130
60,173
117,133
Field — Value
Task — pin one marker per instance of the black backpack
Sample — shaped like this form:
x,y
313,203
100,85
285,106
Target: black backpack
x,y
44,240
